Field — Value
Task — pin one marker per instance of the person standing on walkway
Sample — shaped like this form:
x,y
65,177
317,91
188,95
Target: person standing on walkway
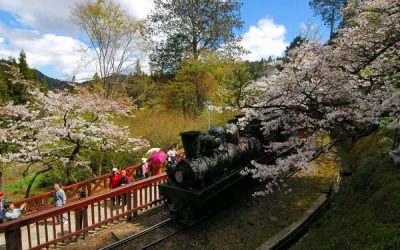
x,y
145,168
124,181
172,154
115,181
124,178
60,199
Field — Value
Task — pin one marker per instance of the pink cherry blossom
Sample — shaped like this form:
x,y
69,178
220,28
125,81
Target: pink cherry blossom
x,y
337,88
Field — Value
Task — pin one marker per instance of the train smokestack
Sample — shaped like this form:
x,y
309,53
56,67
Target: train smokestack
x,y
191,143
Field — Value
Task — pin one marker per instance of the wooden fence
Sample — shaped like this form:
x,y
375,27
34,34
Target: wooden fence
x,y
41,230
92,186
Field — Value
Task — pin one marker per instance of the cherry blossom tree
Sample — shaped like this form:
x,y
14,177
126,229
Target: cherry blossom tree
x,y
340,88
58,129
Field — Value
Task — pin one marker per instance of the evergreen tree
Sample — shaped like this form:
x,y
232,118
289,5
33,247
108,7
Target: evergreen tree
x,y
138,68
3,84
297,42
330,12
189,28
24,68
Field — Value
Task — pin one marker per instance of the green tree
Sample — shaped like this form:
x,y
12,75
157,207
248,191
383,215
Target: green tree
x,y
330,12
190,28
138,68
297,42
23,67
238,87
114,36
199,80
9,89
4,96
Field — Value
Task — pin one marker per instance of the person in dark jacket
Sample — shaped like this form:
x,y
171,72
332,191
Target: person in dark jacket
x,y
124,180
124,177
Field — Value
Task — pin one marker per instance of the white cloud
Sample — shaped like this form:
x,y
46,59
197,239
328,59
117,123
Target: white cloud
x,y
137,8
53,16
45,31
264,40
43,15
63,53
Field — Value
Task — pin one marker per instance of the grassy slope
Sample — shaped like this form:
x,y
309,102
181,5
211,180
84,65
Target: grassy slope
x,y
162,128
366,213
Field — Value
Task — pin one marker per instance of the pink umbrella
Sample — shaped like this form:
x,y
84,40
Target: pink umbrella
x,y
158,157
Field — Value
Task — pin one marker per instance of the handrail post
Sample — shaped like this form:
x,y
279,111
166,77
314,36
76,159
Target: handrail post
x,y
13,239
78,221
81,221
85,220
129,204
89,188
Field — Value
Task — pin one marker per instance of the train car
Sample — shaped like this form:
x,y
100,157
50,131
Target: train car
x,y
212,166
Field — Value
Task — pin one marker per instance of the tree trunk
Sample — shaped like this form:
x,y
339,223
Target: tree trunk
x,y
70,163
100,164
1,180
332,24
30,184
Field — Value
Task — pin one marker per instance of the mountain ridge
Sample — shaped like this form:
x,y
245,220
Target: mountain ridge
x,y
51,82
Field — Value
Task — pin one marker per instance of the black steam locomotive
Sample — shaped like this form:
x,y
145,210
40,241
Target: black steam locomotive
x,y
212,165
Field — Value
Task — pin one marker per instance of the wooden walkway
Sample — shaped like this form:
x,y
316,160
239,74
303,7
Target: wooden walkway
x,y
40,230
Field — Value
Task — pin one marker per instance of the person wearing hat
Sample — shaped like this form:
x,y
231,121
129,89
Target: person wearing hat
x,y
115,181
115,178
2,207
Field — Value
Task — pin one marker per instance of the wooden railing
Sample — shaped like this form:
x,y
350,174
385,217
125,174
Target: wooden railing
x,y
40,230
90,187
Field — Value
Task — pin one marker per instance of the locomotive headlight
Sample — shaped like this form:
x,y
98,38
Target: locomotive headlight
x,y
178,176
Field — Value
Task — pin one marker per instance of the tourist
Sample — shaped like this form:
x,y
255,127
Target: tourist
x,y
124,177
145,168
172,155
11,212
115,178
60,199
157,162
124,180
115,181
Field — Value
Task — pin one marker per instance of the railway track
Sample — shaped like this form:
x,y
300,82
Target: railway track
x,y
142,233
163,238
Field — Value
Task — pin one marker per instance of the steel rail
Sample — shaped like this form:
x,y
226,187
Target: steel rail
x,y
293,237
163,238
137,235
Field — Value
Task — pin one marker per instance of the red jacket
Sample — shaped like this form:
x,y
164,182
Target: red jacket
x,y
115,180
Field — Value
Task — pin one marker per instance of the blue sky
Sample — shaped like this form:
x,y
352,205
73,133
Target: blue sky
x,y
43,29
291,13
